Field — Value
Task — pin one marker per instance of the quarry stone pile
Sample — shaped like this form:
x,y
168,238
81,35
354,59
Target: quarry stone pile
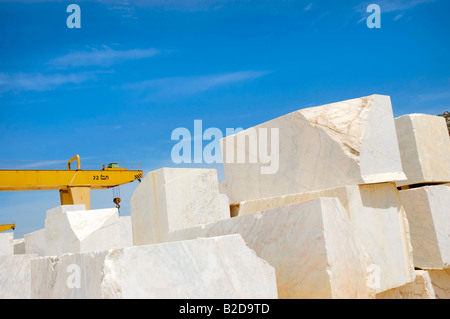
x,y
193,269
358,207
311,245
378,220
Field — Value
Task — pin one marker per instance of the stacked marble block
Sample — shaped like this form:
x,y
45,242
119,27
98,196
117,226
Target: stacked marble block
x,y
398,231
425,195
329,223
331,220
67,229
90,254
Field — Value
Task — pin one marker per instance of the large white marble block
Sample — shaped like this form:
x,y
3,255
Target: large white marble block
x,y
19,246
80,231
428,212
311,245
174,198
440,279
210,268
6,244
378,220
64,208
15,276
35,242
126,234
352,142
424,148
420,288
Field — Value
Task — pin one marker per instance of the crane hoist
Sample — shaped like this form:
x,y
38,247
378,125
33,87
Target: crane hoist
x,y
74,185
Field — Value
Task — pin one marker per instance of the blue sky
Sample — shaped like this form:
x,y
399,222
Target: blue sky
x,y
115,89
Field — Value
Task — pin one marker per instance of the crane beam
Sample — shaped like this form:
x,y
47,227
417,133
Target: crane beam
x,y
22,180
74,185
7,227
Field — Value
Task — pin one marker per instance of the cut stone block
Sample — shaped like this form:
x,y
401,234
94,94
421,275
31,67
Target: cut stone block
x,y
341,144
213,268
224,205
80,231
440,279
35,242
15,276
64,208
310,244
424,148
379,223
428,212
6,244
126,235
421,288
174,198
19,246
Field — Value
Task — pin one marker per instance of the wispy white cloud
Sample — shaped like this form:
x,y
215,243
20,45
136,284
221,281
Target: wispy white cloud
x,y
128,6
393,5
102,57
185,86
185,5
398,17
308,7
39,81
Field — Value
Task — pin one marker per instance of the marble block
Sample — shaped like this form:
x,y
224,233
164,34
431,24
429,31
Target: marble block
x,y
440,279
347,143
19,246
64,208
311,245
126,234
225,205
80,231
174,198
424,148
15,276
35,242
379,223
428,212
6,244
209,268
420,288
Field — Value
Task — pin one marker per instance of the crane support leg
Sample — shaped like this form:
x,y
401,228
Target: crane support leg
x,y
76,196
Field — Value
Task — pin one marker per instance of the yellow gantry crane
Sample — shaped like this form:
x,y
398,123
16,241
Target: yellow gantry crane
x,y
7,227
74,185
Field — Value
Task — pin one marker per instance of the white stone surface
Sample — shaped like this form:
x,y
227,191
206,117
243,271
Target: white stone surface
x,y
35,242
341,144
15,276
421,288
80,231
379,223
440,279
6,244
424,147
428,212
311,245
19,246
64,208
174,198
214,268
126,234
224,205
